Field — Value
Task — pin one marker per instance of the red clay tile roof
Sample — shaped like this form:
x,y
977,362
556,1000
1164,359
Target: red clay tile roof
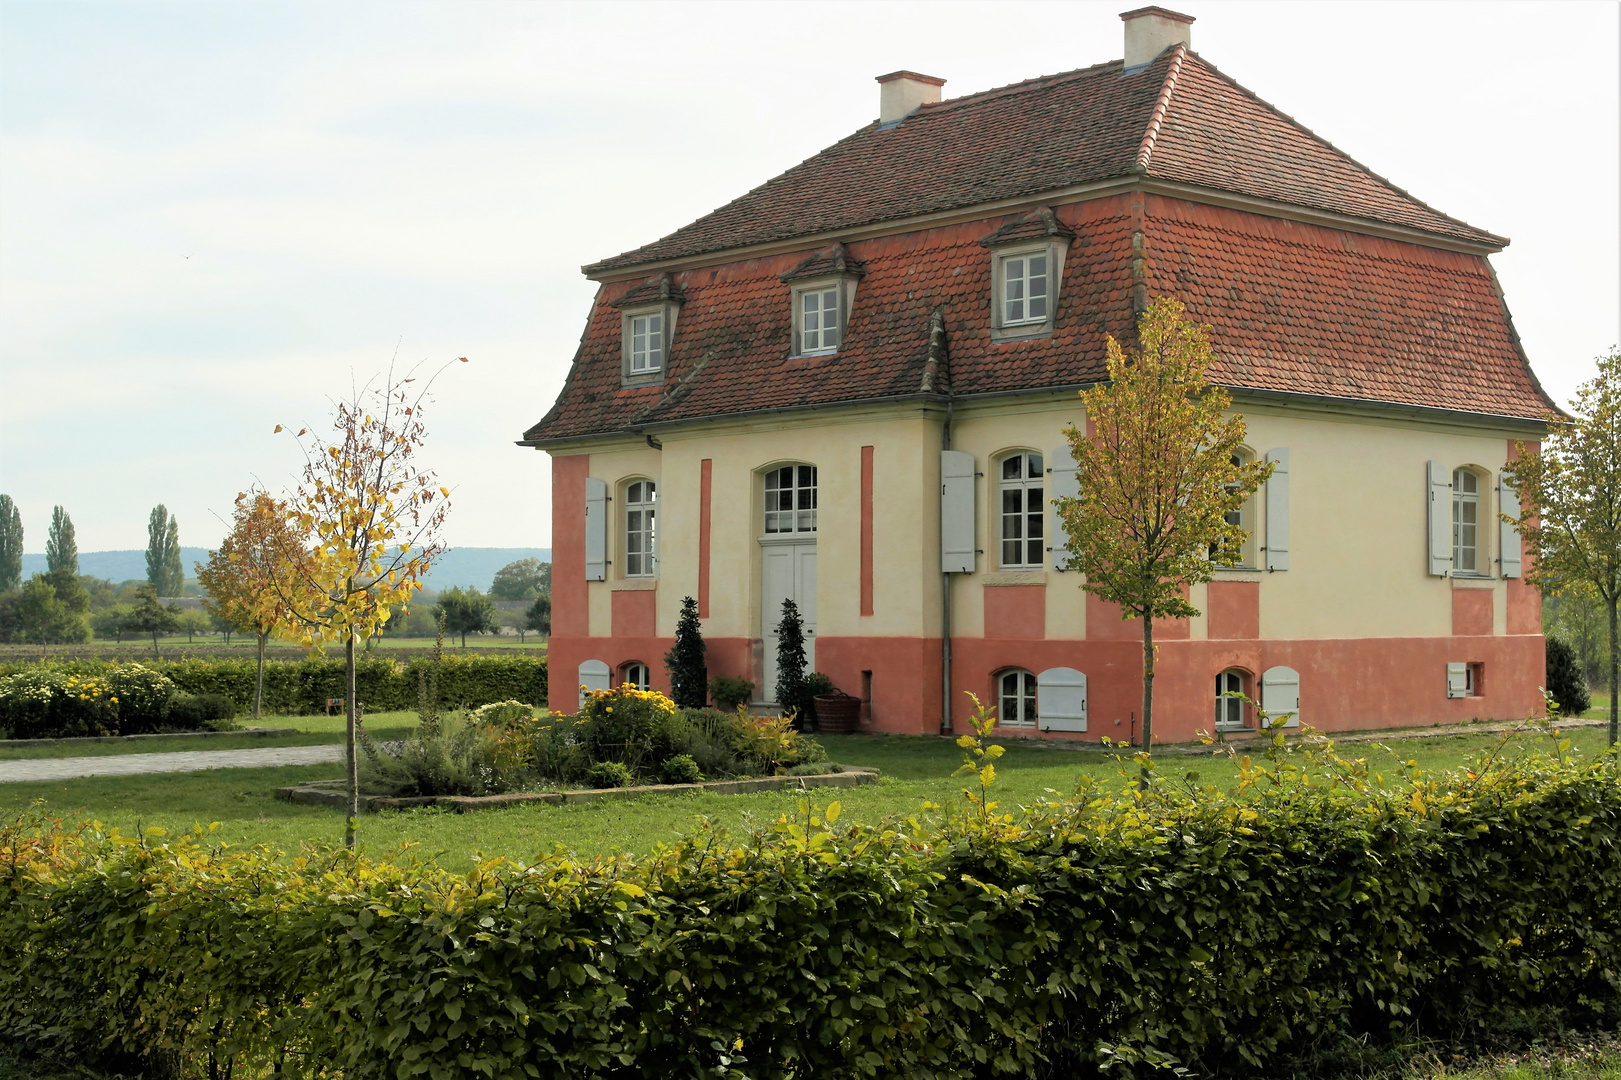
x,y
1177,119
1293,307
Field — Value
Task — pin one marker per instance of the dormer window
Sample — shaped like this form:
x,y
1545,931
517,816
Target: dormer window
x,y
823,288
647,316
1027,264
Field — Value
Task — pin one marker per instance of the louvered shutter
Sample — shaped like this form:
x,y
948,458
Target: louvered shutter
x,y
1440,512
1061,700
596,530
1063,482
956,512
1508,536
1277,510
1457,680
594,675
1280,695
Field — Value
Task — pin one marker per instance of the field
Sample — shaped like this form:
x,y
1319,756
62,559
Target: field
x,y
915,770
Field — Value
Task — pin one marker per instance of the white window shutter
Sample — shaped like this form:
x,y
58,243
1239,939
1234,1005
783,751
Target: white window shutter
x,y
594,675
1061,700
1457,680
1440,511
1280,694
1063,483
596,530
956,512
1508,536
1277,510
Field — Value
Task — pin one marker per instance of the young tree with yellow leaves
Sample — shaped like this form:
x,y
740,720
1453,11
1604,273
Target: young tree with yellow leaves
x,y
370,518
1570,504
1160,480
256,566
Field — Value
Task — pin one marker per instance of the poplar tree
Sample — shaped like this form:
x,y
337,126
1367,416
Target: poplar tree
x,y
61,549
11,545
689,676
1570,505
163,569
1158,478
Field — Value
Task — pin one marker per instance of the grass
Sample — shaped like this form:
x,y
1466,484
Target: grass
x,y
914,769
307,731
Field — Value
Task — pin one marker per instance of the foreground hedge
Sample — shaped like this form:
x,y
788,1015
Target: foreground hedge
x,y
1225,933
303,686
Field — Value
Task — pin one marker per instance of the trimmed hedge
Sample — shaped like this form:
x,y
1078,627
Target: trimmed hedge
x,y
1106,932
304,686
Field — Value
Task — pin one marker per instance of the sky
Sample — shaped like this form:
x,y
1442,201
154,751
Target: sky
x,y
215,217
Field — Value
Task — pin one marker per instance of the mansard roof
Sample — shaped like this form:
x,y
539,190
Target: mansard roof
x,y
1177,120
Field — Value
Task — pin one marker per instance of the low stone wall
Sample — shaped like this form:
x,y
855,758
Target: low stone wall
x,y
331,793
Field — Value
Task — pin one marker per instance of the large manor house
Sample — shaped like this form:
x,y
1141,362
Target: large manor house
x,y
848,388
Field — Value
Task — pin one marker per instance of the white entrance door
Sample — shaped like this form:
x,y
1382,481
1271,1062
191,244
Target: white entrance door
x,y
787,572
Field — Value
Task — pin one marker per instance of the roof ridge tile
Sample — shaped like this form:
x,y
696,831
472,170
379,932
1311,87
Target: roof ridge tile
x,y
1146,149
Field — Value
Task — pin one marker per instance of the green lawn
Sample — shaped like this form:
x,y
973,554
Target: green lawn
x,y
915,770
308,731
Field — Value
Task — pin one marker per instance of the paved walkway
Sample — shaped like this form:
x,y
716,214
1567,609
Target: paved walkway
x,y
182,761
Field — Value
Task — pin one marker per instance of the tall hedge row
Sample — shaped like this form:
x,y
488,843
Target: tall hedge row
x,y
303,686
1165,925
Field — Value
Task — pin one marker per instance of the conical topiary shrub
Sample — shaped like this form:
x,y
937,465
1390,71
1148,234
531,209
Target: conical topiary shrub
x,y
1565,683
791,660
689,677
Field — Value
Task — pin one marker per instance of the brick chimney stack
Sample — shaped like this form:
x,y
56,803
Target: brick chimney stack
x,y
903,91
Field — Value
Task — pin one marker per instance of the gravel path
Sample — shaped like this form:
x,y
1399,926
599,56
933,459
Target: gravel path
x,y
12,772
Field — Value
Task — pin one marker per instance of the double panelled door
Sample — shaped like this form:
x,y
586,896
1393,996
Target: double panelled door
x,y
788,563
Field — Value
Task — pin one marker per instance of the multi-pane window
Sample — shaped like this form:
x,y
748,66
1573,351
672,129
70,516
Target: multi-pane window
x,y
790,499
1017,690
1238,517
641,536
1229,710
1024,288
637,675
819,320
1022,510
1465,522
646,343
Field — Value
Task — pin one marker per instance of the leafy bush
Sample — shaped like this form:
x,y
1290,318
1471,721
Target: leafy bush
x,y
681,769
202,712
608,774
620,725
1565,682
48,701
730,691
503,714
1166,925
457,757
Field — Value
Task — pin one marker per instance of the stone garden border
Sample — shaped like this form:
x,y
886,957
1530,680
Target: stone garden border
x,y
330,792
78,740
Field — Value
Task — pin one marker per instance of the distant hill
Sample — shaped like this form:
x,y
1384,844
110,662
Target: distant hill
x,y
463,566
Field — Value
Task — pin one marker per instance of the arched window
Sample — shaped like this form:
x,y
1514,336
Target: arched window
x,y
1023,507
790,499
1466,555
641,535
1229,710
636,674
1017,690
1244,518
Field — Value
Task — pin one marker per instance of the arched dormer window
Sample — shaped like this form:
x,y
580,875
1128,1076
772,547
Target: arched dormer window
x,y
1468,552
790,499
1022,502
1016,694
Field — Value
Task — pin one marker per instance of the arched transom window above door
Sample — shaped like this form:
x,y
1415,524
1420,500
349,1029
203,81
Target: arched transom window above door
x,y
1023,510
790,500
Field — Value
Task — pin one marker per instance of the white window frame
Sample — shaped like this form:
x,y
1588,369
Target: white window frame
x,y
1025,698
1023,485
648,373
1001,325
1247,560
843,290
802,518
644,563
1227,708
1480,549
628,675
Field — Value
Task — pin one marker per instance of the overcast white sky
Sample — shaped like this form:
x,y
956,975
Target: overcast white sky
x,y
211,214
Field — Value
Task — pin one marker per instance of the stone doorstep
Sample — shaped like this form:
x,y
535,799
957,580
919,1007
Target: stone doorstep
x,y
330,793
78,740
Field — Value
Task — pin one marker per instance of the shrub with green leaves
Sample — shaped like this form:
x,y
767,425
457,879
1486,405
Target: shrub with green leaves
x,y
459,757
730,691
1166,925
681,769
608,774
50,701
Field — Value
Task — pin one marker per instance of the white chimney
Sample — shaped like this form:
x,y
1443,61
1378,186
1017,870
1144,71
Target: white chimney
x,y
904,91
1152,30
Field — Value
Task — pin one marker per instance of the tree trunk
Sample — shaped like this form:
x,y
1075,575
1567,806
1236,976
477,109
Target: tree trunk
x,y
155,654
352,770
1615,669
1148,682
259,680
